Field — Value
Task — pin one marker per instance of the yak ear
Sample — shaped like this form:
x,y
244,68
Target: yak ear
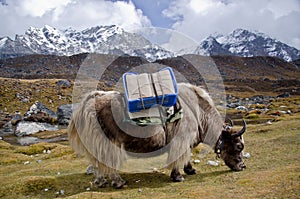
x,y
226,134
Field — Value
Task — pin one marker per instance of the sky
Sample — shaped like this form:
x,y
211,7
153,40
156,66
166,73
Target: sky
x,y
196,19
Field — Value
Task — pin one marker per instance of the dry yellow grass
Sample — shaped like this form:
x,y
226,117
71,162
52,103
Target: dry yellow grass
x,y
272,171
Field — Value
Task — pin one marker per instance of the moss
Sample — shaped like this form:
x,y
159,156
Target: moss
x,y
35,149
5,145
38,185
252,116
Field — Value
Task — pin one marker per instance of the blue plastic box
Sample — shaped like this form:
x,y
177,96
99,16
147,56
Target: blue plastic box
x,y
143,91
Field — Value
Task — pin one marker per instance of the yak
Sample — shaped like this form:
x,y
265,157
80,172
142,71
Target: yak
x,y
98,131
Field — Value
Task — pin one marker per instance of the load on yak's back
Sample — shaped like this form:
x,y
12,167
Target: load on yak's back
x,y
150,97
154,115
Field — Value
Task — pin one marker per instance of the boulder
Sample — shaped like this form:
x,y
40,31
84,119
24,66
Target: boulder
x,y
63,84
28,128
40,113
16,118
64,113
284,95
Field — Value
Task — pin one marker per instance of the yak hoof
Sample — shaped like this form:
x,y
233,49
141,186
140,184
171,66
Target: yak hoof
x,y
178,178
101,182
118,184
190,171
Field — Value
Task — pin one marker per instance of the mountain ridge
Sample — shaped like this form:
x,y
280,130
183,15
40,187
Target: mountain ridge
x,y
99,39
115,40
245,43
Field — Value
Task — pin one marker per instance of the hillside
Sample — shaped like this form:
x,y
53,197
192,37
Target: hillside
x,y
260,73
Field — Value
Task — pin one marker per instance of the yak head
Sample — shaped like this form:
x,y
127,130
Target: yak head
x,y
230,147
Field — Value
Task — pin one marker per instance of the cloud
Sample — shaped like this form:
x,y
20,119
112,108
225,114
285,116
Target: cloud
x,y
78,14
200,18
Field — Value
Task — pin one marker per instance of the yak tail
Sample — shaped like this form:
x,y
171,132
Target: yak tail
x,y
88,139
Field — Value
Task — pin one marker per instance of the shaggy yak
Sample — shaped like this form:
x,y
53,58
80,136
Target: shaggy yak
x,y
97,130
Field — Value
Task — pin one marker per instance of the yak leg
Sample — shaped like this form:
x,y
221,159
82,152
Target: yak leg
x,y
188,169
116,180
176,175
100,180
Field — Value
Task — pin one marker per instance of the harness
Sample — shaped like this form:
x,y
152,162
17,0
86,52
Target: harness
x,y
151,99
219,146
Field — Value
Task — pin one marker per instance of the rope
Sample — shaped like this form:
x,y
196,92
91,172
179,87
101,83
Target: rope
x,y
139,88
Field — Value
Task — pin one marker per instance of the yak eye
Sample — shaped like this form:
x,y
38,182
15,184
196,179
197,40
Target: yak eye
x,y
239,147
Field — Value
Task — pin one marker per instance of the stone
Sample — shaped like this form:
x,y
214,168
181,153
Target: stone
x,y
242,108
28,128
90,170
64,113
269,122
26,163
246,155
7,129
64,83
38,112
213,163
27,140
16,118
284,95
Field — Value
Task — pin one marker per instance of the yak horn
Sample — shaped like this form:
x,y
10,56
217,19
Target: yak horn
x,y
241,131
230,121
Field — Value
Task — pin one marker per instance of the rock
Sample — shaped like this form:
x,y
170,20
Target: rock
x,y
242,108
269,122
246,155
26,163
4,118
7,129
90,170
28,128
25,100
40,113
64,113
16,118
284,95
233,105
213,163
26,141
155,170
63,83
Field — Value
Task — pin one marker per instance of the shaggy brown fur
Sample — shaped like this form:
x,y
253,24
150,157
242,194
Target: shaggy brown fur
x,y
98,131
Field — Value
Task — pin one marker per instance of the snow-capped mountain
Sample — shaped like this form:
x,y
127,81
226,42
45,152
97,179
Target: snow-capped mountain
x,y
115,40
244,43
99,39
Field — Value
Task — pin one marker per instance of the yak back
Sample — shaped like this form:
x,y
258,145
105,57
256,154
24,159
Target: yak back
x,y
201,122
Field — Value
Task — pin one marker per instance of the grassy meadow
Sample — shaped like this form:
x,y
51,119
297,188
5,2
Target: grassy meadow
x,y
52,170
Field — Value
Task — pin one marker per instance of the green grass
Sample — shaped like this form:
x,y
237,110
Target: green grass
x,y
272,171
